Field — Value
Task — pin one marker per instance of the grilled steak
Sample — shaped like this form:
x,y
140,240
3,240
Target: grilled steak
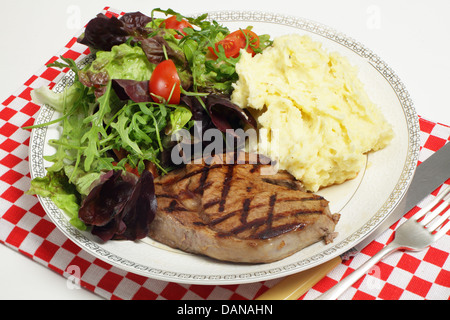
x,y
233,213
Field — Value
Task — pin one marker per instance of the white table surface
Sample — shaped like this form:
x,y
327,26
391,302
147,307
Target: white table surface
x,y
411,36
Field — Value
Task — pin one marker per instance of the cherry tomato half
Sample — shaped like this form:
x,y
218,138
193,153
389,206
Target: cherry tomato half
x,y
236,41
230,46
252,38
173,23
164,79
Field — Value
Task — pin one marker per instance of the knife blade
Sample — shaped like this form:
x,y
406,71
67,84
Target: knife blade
x,y
429,175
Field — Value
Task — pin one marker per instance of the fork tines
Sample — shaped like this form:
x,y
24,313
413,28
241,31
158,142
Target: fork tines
x,y
433,220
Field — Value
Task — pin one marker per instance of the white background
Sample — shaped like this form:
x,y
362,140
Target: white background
x,y
411,36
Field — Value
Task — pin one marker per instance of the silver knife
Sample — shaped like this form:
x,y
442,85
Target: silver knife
x,y
429,175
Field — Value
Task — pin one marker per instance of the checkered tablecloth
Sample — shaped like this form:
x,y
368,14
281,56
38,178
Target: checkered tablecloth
x,y
25,227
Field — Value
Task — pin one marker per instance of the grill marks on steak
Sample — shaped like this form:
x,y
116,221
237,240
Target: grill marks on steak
x,y
232,212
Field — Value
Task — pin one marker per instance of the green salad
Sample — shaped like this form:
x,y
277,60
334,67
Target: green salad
x,y
150,78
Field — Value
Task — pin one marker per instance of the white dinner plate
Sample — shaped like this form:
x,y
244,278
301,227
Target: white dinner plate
x,y
363,202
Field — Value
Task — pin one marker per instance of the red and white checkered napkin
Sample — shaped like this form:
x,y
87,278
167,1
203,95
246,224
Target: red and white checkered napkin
x,y
25,227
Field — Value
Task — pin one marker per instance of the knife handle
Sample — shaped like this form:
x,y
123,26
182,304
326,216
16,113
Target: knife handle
x,y
294,286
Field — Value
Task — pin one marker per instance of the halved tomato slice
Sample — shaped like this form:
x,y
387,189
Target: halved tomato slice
x,y
173,23
242,35
236,41
165,83
230,46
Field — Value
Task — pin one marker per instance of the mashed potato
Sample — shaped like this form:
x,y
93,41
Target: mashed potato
x,y
313,114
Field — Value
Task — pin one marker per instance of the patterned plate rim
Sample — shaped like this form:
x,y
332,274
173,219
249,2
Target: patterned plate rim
x,y
37,169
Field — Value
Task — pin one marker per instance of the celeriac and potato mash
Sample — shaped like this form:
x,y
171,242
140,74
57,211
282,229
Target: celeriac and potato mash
x,y
313,114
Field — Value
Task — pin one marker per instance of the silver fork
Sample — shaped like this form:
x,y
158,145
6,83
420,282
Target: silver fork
x,y
415,234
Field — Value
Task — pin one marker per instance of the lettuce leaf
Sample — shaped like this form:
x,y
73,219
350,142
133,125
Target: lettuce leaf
x,y
102,32
178,119
55,185
226,115
137,91
122,62
59,101
83,181
120,208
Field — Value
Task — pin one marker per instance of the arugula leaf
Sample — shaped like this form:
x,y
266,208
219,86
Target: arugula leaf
x,y
69,63
123,129
91,152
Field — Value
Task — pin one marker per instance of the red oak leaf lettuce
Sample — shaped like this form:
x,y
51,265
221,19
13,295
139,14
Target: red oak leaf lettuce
x,y
120,207
102,32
